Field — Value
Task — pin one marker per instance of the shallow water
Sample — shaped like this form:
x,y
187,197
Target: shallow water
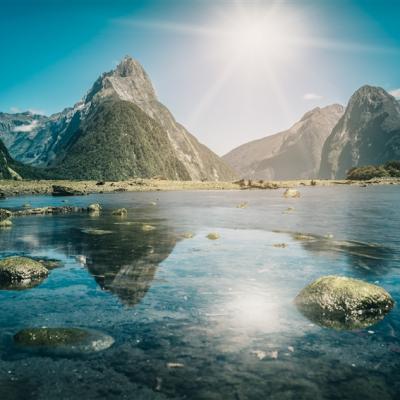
x,y
221,311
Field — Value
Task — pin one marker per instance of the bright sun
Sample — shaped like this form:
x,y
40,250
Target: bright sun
x,y
259,35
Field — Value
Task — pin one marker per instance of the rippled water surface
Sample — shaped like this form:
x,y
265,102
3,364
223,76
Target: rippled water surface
x,y
198,318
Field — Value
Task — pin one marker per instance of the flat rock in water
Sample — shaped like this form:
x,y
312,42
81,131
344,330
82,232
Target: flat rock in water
x,y
63,340
293,193
59,190
122,212
21,273
343,303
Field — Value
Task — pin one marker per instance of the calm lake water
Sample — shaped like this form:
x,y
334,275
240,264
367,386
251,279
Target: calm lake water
x,y
222,311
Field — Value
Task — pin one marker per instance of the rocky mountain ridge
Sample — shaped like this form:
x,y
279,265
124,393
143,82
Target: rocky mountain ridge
x,y
291,154
44,141
368,133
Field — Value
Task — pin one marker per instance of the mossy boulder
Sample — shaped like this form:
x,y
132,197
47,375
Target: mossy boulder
x,y
343,303
213,236
21,272
63,339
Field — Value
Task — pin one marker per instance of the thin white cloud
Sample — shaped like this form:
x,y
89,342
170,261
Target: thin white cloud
x,y
312,96
35,111
26,128
15,110
395,93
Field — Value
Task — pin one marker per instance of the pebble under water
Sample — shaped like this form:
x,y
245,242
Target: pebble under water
x,y
194,318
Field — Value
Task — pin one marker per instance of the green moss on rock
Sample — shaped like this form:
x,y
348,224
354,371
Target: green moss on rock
x,y
50,336
62,340
344,303
20,270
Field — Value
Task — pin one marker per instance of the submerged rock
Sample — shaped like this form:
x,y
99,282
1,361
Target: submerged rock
x,y
59,190
122,212
242,205
69,340
213,236
291,193
343,303
21,272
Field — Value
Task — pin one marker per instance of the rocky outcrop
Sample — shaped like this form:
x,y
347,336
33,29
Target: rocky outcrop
x,y
368,133
66,191
344,303
292,154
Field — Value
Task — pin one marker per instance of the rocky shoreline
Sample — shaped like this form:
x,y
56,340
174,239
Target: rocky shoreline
x,y
9,188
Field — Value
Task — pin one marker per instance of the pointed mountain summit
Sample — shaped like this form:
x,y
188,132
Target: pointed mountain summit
x,y
128,81
119,130
368,133
291,154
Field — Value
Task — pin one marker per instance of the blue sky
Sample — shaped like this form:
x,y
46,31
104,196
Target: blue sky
x,y
225,90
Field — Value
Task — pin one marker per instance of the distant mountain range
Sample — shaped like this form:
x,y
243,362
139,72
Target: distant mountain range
x,y
295,153
326,142
119,130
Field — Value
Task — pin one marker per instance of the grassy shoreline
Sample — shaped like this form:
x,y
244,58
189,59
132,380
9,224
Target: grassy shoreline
x,y
29,187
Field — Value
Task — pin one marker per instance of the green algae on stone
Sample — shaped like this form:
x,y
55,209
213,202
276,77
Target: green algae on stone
x,y
343,303
16,269
49,336
63,340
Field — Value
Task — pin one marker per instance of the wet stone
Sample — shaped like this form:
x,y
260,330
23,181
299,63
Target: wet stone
x,y
122,212
343,303
21,272
63,340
